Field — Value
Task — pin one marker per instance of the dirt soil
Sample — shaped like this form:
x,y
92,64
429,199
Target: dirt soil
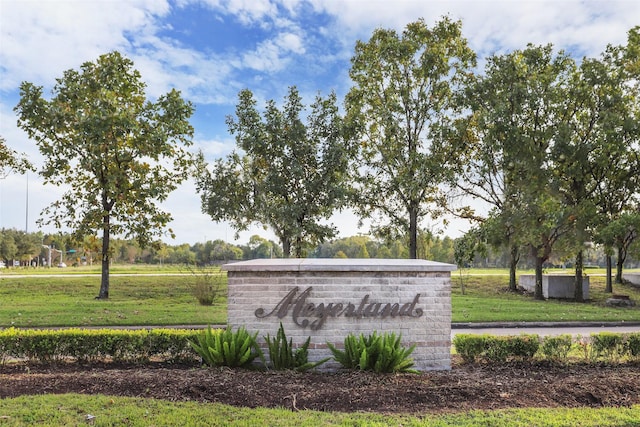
x,y
463,388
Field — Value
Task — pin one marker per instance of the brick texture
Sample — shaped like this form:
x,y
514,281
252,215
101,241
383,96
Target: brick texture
x,y
329,305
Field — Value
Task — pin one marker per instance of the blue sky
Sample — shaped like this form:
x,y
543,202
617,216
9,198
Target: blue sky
x,y
211,49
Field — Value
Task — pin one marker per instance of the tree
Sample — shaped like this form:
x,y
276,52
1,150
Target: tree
x,y
617,80
596,151
402,100
259,247
8,247
521,118
11,161
619,233
116,152
289,176
517,108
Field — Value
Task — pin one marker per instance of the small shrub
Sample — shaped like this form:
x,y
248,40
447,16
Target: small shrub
x,y
524,346
282,355
556,348
633,345
608,345
377,353
498,348
469,346
495,349
227,348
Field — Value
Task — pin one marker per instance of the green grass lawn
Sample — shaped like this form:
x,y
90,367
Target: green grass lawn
x,y
144,298
134,300
486,299
75,409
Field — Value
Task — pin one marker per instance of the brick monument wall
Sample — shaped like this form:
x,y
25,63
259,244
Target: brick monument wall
x,y
327,299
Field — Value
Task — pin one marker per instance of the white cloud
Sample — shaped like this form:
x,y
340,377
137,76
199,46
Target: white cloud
x,y
247,12
273,55
39,39
42,38
214,148
496,26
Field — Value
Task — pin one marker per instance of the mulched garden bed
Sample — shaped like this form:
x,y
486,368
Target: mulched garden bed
x,y
465,387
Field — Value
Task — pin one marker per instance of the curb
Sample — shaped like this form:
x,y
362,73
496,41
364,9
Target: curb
x,y
496,325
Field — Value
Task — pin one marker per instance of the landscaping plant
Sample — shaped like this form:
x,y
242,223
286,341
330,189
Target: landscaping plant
x,y
608,345
556,348
227,348
283,356
377,353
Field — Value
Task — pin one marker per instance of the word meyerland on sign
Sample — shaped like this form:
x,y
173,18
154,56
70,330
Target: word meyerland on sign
x,y
301,310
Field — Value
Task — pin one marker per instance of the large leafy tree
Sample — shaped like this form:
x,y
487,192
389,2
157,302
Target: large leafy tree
x,y
596,152
287,174
118,153
402,99
617,76
516,108
517,117
620,234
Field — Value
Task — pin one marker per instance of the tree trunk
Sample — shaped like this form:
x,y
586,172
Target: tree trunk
x,y
299,247
577,290
538,290
286,247
413,232
609,286
619,262
513,264
104,283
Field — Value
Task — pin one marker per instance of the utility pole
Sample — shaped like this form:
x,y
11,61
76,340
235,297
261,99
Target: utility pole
x,y
26,210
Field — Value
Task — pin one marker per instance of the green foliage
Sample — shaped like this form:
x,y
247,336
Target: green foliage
x,y
90,345
608,346
404,94
227,348
11,161
556,348
496,349
632,343
283,356
291,175
524,346
133,150
377,353
469,346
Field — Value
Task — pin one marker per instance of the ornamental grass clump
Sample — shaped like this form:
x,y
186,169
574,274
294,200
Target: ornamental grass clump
x,y
377,353
283,356
227,348
207,284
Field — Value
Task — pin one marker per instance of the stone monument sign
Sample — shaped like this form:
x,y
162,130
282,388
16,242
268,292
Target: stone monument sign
x,y
327,299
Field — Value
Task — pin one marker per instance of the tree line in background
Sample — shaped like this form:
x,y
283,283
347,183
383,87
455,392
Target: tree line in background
x,y
18,248
549,144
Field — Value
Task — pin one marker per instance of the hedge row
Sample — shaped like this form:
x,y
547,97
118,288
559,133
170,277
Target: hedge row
x,y
603,346
172,345
90,345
